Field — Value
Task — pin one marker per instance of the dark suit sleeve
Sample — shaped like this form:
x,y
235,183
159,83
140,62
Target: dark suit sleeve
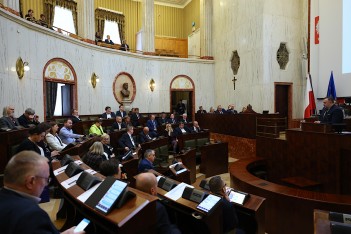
x,y
337,116
164,226
122,141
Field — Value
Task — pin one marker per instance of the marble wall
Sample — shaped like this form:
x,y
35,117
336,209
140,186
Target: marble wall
x,y
38,45
255,28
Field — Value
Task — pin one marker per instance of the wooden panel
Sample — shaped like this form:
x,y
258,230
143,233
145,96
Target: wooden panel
x,y
172,46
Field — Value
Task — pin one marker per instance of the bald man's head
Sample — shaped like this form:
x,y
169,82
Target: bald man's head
x,y
147,183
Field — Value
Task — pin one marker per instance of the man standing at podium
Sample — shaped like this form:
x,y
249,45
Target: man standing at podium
x,y
331,113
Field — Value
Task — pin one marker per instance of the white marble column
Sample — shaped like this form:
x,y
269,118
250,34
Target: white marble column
x,y
206,15
148,26
13,4
86,19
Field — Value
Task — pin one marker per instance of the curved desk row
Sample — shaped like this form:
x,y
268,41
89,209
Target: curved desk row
x,y
288,210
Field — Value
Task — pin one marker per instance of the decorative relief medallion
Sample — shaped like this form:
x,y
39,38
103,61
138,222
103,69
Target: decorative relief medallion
x,y
182,83
235,62
59,70
124,88
282,56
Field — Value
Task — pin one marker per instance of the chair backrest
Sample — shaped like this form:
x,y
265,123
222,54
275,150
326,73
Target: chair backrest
x,y
201,142
190,144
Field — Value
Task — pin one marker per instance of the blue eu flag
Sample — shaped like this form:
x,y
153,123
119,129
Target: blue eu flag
x,y
331,87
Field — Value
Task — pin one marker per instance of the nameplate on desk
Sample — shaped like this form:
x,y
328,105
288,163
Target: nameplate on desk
x,y
177,191
62,169
84,196
340,217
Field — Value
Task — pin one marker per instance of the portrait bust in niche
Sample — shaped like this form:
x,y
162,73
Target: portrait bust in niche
x,y
125,92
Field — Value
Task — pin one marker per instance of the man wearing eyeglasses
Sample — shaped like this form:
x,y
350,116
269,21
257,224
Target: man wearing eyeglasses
x,y
25,176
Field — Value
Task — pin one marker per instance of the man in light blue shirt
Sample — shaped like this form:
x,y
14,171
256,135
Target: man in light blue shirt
x,y
66,133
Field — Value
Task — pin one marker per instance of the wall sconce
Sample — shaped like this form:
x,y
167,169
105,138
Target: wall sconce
x,y
21,67
94,79
152,85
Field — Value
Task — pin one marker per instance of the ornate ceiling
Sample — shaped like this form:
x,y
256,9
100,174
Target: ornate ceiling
x,y
173,3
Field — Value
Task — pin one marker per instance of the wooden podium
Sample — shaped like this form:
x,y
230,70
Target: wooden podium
x,y
316,127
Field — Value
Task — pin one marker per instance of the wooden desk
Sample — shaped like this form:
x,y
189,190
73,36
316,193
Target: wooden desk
x,y
316,127
192,136
321,222
81,148
137,215
288,210
214,159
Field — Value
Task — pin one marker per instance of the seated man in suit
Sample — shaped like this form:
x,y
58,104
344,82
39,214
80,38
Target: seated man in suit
x,y
108,113
146,135
147,162
26,175
147,183
118,125
331,113
96,128
152,125
124,46
8,121
28,118
182,129
163,120
108,40
201,110
75,116
195,128
171,119
127,142
231,109
30,16
220,110
66,133
135,117
121,112
230,218
184,118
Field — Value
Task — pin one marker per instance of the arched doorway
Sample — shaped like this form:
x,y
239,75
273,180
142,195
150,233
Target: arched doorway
x,y
60,88
182,88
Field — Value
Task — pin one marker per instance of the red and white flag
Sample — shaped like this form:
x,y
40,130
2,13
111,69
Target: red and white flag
x,y
310,104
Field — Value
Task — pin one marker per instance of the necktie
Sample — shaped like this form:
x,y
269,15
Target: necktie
x,y
148,137
119,126
154,125
131,139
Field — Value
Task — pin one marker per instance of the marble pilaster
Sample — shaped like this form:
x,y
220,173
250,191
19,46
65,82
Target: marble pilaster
x,y
86,19
148,26
206,15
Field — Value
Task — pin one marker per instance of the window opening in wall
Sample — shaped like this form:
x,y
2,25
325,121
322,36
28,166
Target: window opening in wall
x,y
63,19
111,28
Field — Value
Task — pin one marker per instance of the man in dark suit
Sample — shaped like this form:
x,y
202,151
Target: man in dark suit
x,y
195,128
147,162
75,116
147,183
8,121
231,110
152,125
28,118
26,175
124,46
108,113
331,113
146,135
182,129
163,120
184,118
121,112
220,110
171,119
127,142
108,40
135,117
201,110
118,125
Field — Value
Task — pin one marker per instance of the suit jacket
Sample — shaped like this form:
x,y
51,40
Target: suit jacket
x,y
145,165
151,125
201,112
184,121
195,130
135,119
104,115
125,141
28,145
55,142
163,225
178,131
23,121
23,215
162,121
116,126
75,119
230,111
109,42
118,113
8,122
172,121
219,112
332,116
230,219
124,47
143,138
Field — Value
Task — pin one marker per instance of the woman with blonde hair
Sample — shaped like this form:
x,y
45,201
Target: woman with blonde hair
x,y
171,136
95,156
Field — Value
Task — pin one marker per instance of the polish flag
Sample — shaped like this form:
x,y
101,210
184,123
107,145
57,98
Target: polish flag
x,y
310,104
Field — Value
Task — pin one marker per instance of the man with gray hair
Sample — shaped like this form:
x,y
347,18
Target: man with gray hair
x,y
8,121
147,162
28,119
25,176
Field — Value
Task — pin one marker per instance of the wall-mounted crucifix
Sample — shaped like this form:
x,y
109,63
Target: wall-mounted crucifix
x,y
235,64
